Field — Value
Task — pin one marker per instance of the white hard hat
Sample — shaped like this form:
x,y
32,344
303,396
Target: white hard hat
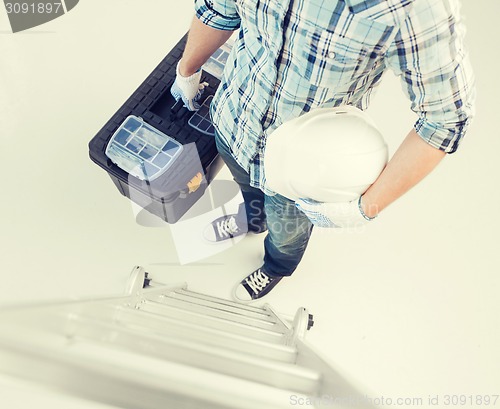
x,y
327,154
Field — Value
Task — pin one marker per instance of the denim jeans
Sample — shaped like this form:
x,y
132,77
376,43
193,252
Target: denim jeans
x,y
288,228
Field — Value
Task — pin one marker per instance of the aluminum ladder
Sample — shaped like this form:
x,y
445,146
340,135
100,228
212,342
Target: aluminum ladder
x,y
163,346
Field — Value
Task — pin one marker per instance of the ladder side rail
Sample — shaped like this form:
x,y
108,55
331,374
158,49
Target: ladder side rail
x,y
334,389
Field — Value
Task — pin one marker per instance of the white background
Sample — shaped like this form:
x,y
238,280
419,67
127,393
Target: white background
x,y
406,308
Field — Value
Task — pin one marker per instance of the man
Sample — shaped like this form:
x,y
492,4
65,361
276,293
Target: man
x,y
292,56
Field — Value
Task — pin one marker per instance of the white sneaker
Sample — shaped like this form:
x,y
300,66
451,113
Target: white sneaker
x,y
255,286
223,228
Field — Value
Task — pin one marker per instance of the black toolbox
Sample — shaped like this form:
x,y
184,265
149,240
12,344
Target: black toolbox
x,y
170,195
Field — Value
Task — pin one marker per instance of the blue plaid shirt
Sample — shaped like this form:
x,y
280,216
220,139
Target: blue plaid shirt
x,y
291,56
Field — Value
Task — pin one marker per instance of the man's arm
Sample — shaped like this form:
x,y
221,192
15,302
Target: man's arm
x,y
439,82
212,25
413,160
209,30
202,42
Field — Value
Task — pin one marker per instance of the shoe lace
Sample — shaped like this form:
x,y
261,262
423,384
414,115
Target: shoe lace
x,y
227,227
257,281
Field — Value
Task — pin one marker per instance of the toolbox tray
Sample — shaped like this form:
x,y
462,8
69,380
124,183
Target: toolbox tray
x,y
172,194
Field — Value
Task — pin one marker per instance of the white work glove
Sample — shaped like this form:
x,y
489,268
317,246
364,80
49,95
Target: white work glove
x,y
188,89
343,214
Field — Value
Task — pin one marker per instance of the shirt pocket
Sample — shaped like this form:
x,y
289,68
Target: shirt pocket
x,y
337,57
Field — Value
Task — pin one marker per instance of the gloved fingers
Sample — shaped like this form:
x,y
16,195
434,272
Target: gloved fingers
x,y
192,104
342,214
201,90
176,91
189,103
189,89
314,212
307,203
202,86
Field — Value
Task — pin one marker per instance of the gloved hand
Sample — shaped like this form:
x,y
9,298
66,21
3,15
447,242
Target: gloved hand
x,y
344,214
189,89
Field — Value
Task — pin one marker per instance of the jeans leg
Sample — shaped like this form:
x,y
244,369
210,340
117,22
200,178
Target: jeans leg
x,y
288,234
253,206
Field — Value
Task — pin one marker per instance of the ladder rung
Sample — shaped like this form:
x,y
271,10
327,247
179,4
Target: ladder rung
x,y
159,322
177,330
199,319
246,307
240,365
168,302
260,315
